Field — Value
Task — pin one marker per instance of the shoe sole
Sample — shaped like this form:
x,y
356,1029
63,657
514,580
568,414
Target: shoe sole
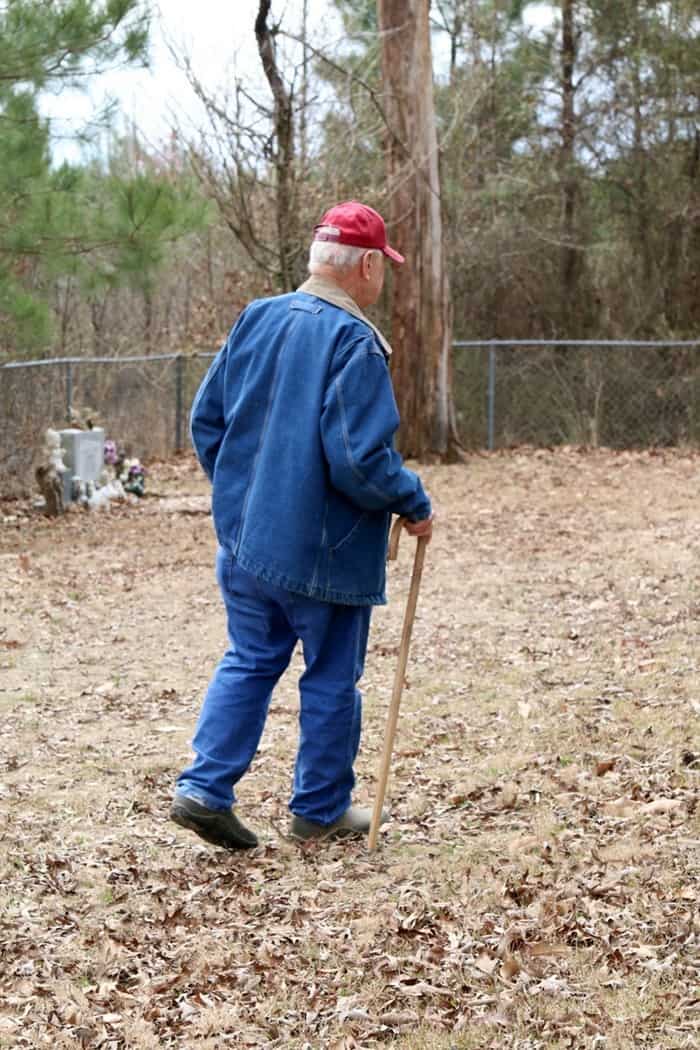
x,y
308,832
210,835
316,832
325,836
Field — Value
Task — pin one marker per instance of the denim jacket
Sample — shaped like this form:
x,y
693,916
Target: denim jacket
x,y
294,426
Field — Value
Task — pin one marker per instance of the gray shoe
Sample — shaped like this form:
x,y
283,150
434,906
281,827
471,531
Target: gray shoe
x,y
219,827
355,820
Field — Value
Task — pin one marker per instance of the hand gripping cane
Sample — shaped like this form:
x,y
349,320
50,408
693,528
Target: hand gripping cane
x,y
393,717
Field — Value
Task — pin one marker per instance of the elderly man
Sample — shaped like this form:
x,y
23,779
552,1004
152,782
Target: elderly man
x,y
294,426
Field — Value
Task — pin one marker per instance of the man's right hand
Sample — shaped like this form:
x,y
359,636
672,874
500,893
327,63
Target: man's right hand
x,y
422,528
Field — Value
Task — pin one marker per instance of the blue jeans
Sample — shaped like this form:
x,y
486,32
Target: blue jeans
x,y
264,623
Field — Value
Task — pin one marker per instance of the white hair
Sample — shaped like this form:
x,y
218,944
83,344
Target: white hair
x,y
341,257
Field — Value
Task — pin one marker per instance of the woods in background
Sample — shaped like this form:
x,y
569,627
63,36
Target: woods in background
x,y
568,158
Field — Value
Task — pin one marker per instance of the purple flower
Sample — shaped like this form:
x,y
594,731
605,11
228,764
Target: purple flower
x,y
110,453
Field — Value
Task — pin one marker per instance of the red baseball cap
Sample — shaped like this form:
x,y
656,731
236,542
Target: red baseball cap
x,y
356,224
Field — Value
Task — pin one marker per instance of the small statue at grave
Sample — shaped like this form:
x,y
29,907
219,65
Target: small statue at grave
x,y
134,477
49,474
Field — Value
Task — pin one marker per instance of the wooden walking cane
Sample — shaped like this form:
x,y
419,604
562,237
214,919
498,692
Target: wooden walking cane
x,y
393,717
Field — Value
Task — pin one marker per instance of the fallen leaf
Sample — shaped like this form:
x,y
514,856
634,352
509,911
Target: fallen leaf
x,y
620,807
398,1018
554,986
548,949
356,1014
662,805
486,964
509,796
523,844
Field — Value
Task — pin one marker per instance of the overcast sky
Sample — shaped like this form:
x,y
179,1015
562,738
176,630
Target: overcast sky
x,y
218,37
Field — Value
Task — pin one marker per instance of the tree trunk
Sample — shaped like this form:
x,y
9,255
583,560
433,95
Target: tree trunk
x,y
569,251
643,204
421,316
283,158
65,309
303,116
98,310
148,319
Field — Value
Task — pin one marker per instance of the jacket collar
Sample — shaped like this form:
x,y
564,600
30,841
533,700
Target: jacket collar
x,y
334,294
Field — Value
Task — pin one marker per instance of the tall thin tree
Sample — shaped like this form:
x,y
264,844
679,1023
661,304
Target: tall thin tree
x,y
570,252
421,312
284,144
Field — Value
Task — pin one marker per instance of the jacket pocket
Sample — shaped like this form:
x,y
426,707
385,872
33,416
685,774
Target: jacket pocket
x,y
348,535
356,562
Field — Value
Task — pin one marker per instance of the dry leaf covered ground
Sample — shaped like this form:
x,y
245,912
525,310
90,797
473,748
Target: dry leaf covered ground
x,y
539,884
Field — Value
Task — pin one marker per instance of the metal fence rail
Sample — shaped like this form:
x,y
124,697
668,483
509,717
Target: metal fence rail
x,y
620,393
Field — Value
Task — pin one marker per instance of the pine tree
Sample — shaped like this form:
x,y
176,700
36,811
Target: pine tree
x,y
103,227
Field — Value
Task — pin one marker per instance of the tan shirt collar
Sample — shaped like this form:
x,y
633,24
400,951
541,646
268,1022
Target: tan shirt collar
x,y
334,294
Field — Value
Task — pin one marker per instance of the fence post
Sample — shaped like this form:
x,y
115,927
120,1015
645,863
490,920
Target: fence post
x,y
492,397
179,383
69,390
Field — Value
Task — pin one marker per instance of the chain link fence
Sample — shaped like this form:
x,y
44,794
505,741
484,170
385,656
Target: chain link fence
x,y
142,402
620,394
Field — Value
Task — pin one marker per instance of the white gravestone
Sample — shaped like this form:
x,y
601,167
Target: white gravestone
x,y
83,454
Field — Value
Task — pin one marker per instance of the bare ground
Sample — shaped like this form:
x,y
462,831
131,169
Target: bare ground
x,y
539,884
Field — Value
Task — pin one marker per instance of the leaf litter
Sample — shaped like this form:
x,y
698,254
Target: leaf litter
x,y
539,883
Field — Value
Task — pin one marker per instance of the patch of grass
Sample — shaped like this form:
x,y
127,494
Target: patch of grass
x,y
26,698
